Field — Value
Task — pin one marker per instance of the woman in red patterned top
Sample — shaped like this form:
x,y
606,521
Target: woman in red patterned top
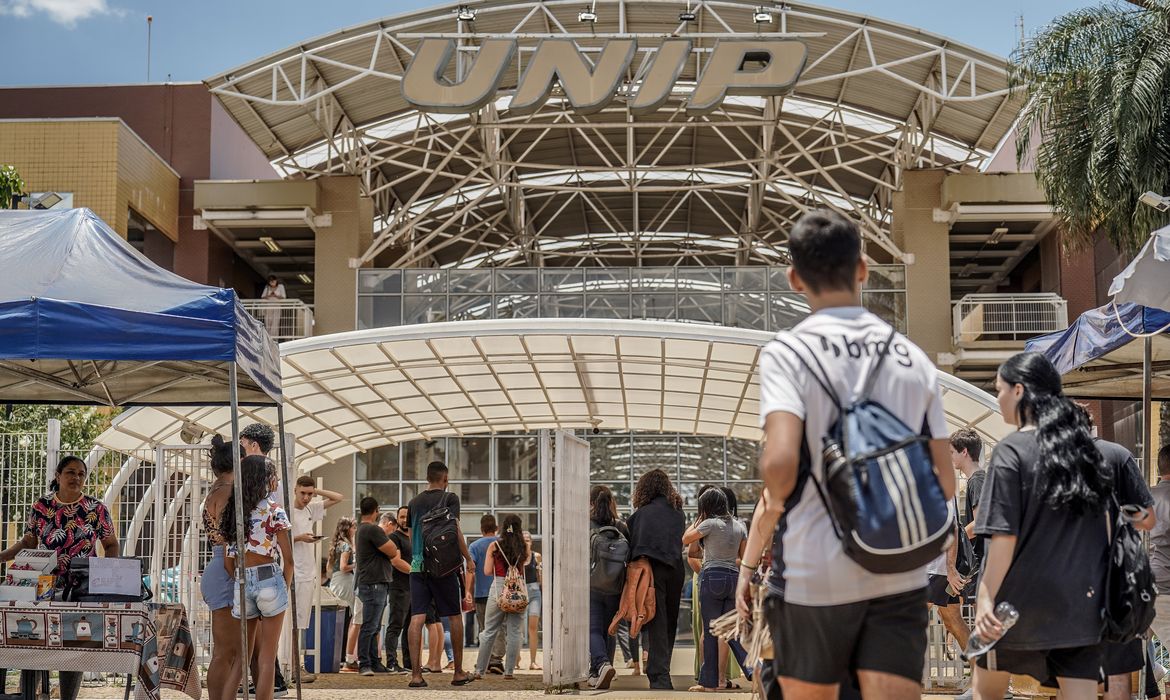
x,y
70,523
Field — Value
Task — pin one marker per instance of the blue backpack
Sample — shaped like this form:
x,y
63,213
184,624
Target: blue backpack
x,y
879,485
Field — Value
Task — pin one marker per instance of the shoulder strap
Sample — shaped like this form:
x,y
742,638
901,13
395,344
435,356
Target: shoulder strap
x,y
877,365
822,378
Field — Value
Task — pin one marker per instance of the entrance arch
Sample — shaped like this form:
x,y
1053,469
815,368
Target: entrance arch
x,y
351,392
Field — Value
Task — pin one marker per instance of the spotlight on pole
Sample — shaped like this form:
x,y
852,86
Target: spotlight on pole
x,y
761,16
465,14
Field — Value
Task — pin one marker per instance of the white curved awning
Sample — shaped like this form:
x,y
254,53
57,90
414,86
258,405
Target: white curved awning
x,y
349,392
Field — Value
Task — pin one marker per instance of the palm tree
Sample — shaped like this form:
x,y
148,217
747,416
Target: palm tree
x,y
1097,117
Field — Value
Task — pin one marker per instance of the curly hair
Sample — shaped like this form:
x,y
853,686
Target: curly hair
x,y
1073,474
653,484
511,540
256,474
342,533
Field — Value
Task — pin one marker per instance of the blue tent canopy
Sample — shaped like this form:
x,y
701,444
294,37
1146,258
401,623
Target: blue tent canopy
x,y
1100,356
86,318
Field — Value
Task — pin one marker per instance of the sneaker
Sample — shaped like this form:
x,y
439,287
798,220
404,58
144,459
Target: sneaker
x,y
379,667
307,676
605,676
251,691
593,682
397,670
279,692
349,667
366,671
496,667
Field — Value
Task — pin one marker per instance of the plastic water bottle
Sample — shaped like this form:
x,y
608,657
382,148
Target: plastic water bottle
x,y
1008,616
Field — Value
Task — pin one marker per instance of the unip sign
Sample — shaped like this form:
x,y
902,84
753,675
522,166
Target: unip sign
x,y
590,88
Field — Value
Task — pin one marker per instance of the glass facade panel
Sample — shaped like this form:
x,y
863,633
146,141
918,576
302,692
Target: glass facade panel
x,y
745,279
469,458
421,280
746,310
742,459
519,495
470,307
700,458
417,454
385,494
788,310
655,307
655,452
517,458
607,279
517,306
607,306
424,308
472,494
700,279
890,306
386,281
470,281
886,277
562,306
655,279
517,281
379,312
701,308
609,458
562,281
378,464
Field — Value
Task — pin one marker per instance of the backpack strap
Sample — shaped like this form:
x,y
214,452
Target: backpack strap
x,y
822,378
877,365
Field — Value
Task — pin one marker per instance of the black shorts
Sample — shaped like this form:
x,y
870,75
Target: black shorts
x,y
443,592
936,591
1123,658
1075,662
823,644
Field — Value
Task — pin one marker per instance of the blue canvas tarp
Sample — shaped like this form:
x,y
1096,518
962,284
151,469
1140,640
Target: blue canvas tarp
x,y
1100,356
85,318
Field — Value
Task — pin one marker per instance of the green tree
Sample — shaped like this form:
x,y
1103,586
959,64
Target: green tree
x,y
1097,116
11,184
80,425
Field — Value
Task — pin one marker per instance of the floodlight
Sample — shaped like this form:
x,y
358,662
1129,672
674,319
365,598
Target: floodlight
x,y
1155,200
761,16
465,14
587,16
191,434
686,16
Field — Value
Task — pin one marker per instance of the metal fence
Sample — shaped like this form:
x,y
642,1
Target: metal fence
x,y
1011,317
285,319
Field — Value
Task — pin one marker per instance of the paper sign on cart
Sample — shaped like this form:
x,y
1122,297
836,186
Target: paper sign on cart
x,y
114,576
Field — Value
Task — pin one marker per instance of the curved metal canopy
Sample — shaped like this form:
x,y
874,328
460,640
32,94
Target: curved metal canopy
x,y
350,392
561,188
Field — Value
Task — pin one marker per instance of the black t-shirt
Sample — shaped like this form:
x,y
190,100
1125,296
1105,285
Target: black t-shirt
x,y
1131,485
373,566
417,509
1057,576
974,493
401,580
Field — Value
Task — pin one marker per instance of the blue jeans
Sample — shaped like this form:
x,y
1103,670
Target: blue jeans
x,y
602,608
716,597
494,619
374,597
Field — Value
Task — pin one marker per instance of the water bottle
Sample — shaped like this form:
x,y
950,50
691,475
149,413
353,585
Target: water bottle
x,y
1007,615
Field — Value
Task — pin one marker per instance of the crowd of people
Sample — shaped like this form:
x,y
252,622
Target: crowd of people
x,y
857,533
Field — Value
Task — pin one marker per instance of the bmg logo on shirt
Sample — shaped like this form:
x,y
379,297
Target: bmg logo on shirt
x,y
857,348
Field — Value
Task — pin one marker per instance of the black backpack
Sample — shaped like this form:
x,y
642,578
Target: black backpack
x,y
609,550
879,488
1129,583
440,533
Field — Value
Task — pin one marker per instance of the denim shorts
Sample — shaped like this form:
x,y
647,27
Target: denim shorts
x,y
266,594
216,584
533,599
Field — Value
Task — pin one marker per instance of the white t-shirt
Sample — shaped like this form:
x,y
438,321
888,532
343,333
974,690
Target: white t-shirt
x,y
815,569
274,293
306,567
938,567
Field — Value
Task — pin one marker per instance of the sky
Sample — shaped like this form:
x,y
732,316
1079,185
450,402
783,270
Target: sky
x,y
87,42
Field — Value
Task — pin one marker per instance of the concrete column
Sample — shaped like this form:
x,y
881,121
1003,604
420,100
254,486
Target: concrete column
x,y
335,284
928,279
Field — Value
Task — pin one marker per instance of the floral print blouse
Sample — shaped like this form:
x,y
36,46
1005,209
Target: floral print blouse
x,y
73,529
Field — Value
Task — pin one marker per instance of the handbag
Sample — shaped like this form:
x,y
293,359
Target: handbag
x,y
76,588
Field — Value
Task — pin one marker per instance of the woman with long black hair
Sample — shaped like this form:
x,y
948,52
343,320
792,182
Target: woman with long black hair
x,y
507,551
1043,508
723,539
656,530
602,606
266,585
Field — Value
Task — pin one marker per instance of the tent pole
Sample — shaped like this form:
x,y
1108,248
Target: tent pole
x,y
1148,457
241,525
292,597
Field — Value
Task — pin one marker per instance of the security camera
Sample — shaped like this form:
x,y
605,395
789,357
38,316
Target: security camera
x,y
1155,200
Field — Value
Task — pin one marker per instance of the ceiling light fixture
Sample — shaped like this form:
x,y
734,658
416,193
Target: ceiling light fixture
x,y
687,15
305,278
273,246
588,15
997,235
762,16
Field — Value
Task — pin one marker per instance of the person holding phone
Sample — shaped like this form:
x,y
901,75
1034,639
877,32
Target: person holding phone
x,y
309,506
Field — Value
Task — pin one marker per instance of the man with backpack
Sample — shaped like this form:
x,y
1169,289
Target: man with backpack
x,y
844,402
440,555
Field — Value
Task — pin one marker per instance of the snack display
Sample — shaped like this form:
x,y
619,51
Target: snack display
x,y
28,579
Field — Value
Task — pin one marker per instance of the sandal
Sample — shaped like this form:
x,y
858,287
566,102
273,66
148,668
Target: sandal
x,y
534,667
427,669
417,684
462,681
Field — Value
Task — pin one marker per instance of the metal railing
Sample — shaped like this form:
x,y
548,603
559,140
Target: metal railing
x,y
1011,317
285,319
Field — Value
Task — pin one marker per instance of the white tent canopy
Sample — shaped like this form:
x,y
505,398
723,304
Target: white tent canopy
x,y
349,392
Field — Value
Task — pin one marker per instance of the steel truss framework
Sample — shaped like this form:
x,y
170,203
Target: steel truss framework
x,y
560,188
